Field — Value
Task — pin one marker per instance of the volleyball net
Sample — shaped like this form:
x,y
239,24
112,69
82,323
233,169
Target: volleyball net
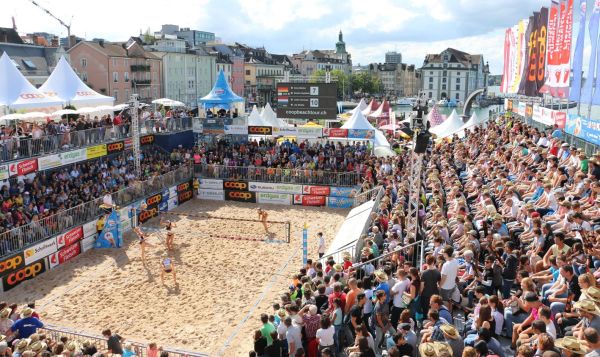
x,y
218,227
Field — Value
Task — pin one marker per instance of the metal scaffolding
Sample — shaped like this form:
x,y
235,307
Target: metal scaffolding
x,y
414,186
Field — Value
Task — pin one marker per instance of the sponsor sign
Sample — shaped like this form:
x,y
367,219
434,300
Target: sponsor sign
x,y
172,203
584,128
288,131
90,228
509,105
72,236
236,129
316,190
147,140
184,186
274,198
23,167
165,195
529,111
307,200
275,187
340,202
154,200
148,214
64,255
336,132
211,184
213,195
521,108
361,134
4,174
11,264
307,100
260,130
185,196
71,157
173,190
235,185
197,125
342,191
88,243
310,133
116,147
49,162
128,143
27,272
40,250
240,196
96,151
163,206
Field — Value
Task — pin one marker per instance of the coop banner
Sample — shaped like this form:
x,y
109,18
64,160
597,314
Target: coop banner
x,y
25,273
212,195
275,187
274,198
342,191
235,185
211,184
147,214
110,237
240,196
340,202
307,200
11,264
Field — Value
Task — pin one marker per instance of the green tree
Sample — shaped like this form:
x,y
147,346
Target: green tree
x,y
342,80
366,83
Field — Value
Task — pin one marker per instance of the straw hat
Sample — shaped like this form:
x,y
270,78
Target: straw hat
x,y
34,337
588,306
5,313
72,346
434,349
26,312
346,255
22,345
449,330
38,346
593,293
571,344
381,275
338,267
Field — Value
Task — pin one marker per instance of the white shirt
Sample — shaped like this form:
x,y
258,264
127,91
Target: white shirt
x,y
321,245
450,270
550,329
293,335
399,288
325,336
281,331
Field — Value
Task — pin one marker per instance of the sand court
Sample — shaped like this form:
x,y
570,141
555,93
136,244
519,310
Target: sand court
x,y
220,281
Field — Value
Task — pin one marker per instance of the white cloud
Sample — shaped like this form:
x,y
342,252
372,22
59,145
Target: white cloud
x,y
276,14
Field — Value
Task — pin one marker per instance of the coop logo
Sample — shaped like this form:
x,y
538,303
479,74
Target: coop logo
x,y
240,195
11,264
115,147
260,130
183,186
147,140
185,196
146,215
154,200
235,185
29,272
31,95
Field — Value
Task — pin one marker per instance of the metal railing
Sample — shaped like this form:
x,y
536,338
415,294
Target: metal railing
x,y
338,255
100,342
14,148
277,175
376,201
366,196
18,238
380,260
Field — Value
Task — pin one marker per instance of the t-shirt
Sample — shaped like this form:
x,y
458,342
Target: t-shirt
x,y
266,330
383,311
293,335
551,329
114,344
399,288
28,326
357,312
385,287
325,336
430,278
450,270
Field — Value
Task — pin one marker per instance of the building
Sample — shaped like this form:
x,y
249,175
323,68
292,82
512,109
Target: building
x,y
34,61
118,69
309,61
453,74
236,57
393,57
397,79
194,38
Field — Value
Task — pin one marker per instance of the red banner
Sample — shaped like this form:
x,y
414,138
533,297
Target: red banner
x,y
72,236
566,20
23,168
336,133
316,190
306,200
64,255
553,51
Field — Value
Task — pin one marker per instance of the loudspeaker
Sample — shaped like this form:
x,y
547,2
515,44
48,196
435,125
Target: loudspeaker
x,y
422,142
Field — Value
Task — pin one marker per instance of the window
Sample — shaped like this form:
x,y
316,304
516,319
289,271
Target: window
x,y
430,95
458,73
430,79
445,65
457,80
443,87
83,62
445,57
114,62
115,77
84,76
127,95
116,94
126,77
444,73
458,87
457,96
431,72
29,64
430,86
444,80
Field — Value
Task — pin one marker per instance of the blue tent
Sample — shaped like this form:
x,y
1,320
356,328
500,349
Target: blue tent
x,y
221,94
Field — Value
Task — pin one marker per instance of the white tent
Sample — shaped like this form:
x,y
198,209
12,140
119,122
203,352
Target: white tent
x,y
451,125
254,119
474,120
358,121
166,102
269,116
17,93
64,85
380,139
360,107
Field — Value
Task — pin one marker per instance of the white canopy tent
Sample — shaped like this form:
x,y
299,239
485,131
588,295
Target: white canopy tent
x,y
166,102
17,93
451,125
65,85
360,107
358,121
254,119
382,147
269,116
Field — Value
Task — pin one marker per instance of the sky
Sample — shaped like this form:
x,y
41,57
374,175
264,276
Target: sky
x,y
371,28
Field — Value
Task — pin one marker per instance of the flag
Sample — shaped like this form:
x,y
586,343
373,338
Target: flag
x,y
554,44
565,51
586,92
435,118
110,237
575,91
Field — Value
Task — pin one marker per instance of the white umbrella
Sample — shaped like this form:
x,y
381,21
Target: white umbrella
x,y
12,116
86,110
35,115
64,112
104,107
166,102
119,107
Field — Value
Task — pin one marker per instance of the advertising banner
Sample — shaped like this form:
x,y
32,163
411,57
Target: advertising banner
x,y
196,125
185,186
529,111
235,185
342,191
553,51
24,167
527,81
340,202
593,24
147,140
307,100
236,129
506,73
211,184
260,130
148,214
316,190
213,126
27,272
88,243
154,200
564,70
575,89
49,162
89,228
510,106
11,264
361,134
274,198
73,156
289,131
307,200
70,237
240,196
163,206
128,143
110,237
172,203
309,133
95,151
64,255
115,147
275,187
335,132
4,174
521,109
40,250
584,128
212,195
185,195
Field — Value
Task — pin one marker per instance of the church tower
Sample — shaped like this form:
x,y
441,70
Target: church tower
x,y
340,46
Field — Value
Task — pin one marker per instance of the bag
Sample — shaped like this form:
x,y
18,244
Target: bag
x,y
418,310
406,299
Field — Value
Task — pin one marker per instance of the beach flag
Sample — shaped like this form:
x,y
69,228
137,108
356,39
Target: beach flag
x,y
435,118
111,236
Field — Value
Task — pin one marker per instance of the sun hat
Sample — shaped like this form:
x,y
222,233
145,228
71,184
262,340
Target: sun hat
x,y
313,310
338,267
593,293
588,306
34,337
381,275
38,346
72,345
5,313
26,312
22,345
571,344
449,330
3,346
427,349
347,255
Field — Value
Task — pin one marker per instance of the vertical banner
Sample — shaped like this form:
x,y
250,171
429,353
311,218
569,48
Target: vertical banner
x,y
565,49
541,38
305,244
529,51
535,72
586,92
575,90
519,55
507,61
553,51
110,237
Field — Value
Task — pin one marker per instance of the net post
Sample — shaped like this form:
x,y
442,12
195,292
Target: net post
x,y
289,232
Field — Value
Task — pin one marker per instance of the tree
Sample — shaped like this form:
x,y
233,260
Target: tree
x,y
342,79
364,82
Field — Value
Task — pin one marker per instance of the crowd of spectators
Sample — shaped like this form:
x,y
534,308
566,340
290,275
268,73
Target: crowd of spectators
x,y
510,221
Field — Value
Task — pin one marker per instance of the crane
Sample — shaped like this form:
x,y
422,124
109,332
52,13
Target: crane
x,y
68,27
